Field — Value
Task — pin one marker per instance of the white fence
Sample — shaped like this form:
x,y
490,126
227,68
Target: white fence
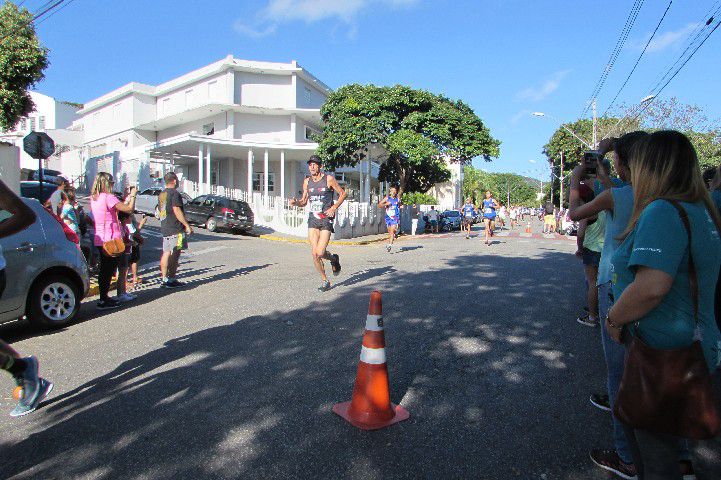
x,y
353,219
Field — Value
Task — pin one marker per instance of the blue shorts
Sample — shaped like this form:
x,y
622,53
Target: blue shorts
x,y
391,222
489,217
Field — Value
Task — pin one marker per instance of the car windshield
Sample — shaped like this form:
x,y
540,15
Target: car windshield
x,y
235,205
451,213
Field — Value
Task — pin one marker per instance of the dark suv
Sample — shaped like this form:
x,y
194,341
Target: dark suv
x,y
220,213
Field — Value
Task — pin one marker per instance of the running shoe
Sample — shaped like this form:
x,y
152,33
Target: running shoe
x,y
324,286
34,389
173,284
610,461
126,297
388,248
587,321
687,471
108,304
335,264
600,401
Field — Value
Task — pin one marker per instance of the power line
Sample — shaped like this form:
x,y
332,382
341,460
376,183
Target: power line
x,y
69,2
639,59
35,17
630,21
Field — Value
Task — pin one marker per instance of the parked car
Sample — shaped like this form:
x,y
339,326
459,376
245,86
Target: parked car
x,y
49,176
31,189
147,201
46,271
568,226
215,212
451,220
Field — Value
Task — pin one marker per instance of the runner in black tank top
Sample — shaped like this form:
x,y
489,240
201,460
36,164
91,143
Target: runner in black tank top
x,y
318,191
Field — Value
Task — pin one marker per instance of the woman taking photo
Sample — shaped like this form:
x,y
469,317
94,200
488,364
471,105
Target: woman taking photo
x,y
105,207
653,280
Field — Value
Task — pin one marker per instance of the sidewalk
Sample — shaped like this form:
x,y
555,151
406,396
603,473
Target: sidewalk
x,y
358,241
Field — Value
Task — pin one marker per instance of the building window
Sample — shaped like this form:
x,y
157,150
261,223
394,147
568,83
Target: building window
x,y
32,124
309,132
308,94
258,181
209,129
188,98
23,124
41,123
212,90
116,111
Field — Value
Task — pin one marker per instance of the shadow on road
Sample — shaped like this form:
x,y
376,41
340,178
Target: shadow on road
x,y
494,374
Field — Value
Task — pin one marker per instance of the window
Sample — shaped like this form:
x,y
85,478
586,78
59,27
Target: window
x,y
116,111
213,90
258,181
308,94
32,124
23,124
188,98
41,123
199,200
309,132
209,129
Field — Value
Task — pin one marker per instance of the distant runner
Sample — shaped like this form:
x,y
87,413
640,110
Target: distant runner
x,y
489,214
318,190
468,211
392,204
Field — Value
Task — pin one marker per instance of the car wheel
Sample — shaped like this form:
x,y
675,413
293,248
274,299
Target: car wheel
x,y
211,224
157,213
53,302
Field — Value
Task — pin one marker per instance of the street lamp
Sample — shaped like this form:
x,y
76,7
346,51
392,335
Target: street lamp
x,y
541,114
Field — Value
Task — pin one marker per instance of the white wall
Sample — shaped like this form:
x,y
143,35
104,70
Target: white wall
x,y
307,95
300,125
115,117
196,126
264,90
263,128
10,166
209,90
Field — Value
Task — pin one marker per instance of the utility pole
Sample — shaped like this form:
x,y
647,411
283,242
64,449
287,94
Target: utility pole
x,y
595,125
560,200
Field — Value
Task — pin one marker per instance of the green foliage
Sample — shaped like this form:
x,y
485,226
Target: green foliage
x,y
416,128
502,185
22,61
417,198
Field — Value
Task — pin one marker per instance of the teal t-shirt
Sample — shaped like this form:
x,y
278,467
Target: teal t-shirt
x,y
616,223
716,197
659,241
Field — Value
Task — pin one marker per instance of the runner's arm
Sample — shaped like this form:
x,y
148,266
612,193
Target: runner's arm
x,y
23,216
383,203
304,199
333,183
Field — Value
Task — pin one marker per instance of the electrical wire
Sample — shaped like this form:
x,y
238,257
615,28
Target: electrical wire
x,y
69,2
35,17
638,60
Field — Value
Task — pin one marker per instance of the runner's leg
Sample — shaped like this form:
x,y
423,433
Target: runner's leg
x,y
173,263
314,235
164,261
487,225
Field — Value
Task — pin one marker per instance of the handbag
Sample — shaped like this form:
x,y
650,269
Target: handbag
x,y
669,391
114,247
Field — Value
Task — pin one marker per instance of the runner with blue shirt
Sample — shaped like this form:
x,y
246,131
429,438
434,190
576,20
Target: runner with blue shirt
x,y
468,211
489,215
392,204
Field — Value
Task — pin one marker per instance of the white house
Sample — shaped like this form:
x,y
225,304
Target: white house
x,y
49,114
449,194
235,127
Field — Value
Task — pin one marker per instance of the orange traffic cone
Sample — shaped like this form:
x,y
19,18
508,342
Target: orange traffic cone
x,y
370,407
528,228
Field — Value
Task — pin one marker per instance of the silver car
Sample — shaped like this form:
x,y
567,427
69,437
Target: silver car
x,y
47,276
147,201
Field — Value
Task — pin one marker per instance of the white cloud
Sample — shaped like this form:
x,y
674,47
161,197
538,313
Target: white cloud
x,y
278,12
520,115
550,85
665,40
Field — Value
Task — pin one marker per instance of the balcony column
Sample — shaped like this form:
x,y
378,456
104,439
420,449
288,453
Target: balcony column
x,y
361,187
250,173
231,173
207,168
282,174
200,168
368,181
265,173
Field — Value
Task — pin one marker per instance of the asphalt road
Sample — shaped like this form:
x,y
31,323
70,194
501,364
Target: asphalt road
x,y
235,375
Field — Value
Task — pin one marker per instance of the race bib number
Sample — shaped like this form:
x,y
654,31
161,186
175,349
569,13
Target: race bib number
x,y
488,210
391,212
316,206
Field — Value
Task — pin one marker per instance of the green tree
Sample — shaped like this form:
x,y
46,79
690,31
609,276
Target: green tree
x,y
520,190
416,128
22,61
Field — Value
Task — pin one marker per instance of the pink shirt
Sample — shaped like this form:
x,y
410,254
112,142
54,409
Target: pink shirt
x,y
107,226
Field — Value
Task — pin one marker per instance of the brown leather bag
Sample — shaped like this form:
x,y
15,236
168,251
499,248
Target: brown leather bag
x,y
114,248
669,391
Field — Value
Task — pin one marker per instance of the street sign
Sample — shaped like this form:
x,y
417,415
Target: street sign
x,y
38,145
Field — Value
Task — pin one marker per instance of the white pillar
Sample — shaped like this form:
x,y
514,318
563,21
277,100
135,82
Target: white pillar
x,y
282,174
200,168
250,173
361,187
265,173
368,181
231,173
207,168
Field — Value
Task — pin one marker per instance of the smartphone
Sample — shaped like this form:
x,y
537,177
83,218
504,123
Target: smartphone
x,y
590,160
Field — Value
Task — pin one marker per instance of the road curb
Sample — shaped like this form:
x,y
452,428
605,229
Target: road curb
x,y
275,238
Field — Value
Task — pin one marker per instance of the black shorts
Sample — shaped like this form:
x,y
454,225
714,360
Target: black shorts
x,y
321,223
590,257
134,254
467,221
3,281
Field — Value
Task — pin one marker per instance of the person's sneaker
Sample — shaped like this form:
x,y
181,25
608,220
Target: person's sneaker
x,y
587,321
686,469
467,237
324,286
34,389
600,401
389,247
126,297
108,304
173,284
610,461
335,264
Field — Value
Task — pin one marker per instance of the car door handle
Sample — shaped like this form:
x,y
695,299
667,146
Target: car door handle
x,y
25,247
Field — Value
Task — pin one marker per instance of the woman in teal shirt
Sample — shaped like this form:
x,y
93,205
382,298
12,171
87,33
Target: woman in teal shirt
x,y
651,282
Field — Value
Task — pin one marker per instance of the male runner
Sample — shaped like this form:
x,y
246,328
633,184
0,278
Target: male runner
x,y
392,204
467,211
489,214
318,190
24,370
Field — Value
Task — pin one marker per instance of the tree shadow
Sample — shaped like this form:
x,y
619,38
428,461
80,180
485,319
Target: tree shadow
x,y
497,387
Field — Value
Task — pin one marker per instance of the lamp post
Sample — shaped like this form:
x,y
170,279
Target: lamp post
x,y
541,114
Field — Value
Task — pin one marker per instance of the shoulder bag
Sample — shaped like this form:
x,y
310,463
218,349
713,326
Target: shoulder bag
x,y
669,391
114,247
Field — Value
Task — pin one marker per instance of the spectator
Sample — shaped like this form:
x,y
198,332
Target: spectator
x,y
54,203
433,219
68,214
105,207
136,241
549,220
174,228
124,260
651,281
715,186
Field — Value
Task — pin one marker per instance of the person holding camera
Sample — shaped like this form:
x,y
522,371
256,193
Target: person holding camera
x,y
617,202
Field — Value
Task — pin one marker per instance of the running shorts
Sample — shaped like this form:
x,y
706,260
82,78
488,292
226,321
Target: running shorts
x,y
391,222
321,223
175,242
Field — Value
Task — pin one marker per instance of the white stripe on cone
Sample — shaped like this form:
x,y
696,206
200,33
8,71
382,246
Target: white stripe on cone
x,y
374,322
373,356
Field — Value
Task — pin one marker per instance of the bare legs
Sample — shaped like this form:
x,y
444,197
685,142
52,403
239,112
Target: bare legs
x,y
319,240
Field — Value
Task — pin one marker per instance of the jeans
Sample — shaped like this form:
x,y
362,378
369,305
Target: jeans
x,y
615,356
108,267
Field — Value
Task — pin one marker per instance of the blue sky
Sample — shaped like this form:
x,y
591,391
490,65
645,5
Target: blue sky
x,y
504,58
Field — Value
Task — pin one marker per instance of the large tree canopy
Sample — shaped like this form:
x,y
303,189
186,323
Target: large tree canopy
x,y
22,61
505,187
418,129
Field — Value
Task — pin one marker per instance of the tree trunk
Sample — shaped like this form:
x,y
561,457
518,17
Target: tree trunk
x,y
402,176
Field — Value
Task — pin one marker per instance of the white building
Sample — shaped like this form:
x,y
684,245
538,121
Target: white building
x,y
449,194
49,114
235,127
